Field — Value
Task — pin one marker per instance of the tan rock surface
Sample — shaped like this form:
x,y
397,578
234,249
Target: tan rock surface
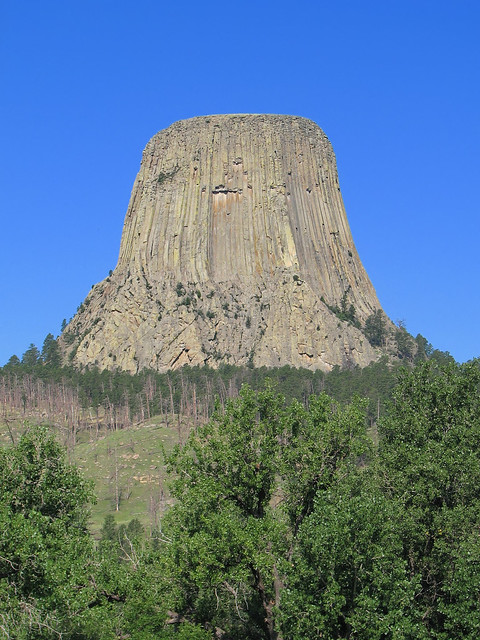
x,y
235,246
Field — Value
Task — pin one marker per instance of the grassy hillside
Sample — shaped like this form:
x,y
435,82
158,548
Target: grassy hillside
x,y
117,426
128,470
126,467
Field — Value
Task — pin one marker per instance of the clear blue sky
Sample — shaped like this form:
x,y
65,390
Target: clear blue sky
x,y
394,84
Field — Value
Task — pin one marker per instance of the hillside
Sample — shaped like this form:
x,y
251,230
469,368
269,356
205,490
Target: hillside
x,y
117,426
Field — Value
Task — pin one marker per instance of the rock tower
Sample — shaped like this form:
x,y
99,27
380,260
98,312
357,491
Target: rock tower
x,y
235,249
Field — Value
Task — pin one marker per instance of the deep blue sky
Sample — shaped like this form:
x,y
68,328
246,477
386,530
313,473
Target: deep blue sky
x,y
394,85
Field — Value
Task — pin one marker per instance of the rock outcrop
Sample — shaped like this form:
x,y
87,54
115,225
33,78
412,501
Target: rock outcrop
x,y
236,249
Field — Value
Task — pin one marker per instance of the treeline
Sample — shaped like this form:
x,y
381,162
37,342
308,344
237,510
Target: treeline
x,y
290,522
38,386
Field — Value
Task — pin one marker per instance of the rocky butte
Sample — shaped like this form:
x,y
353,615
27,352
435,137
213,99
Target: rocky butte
x,y
235,249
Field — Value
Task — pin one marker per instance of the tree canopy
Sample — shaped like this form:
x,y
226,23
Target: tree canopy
x,y
45,547
290,522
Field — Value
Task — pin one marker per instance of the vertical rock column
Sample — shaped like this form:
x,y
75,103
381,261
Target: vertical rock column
x,y
235,248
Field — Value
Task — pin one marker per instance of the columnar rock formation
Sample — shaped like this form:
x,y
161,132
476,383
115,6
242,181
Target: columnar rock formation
x,y
235,248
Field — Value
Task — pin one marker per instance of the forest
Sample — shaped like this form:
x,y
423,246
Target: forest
x,y
39,386
294,515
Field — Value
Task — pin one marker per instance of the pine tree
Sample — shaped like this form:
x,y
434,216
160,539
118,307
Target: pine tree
x,y
31,357
50,351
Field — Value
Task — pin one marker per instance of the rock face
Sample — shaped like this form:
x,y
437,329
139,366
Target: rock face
x,y
235,249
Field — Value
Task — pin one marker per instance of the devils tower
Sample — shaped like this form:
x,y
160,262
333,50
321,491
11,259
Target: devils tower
x,y
235,249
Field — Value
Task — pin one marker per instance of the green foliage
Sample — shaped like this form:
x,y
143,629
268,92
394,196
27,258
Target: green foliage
x,y
375,328
424,348
134,586
347,575
36,476
117,388
288,522
345,312
342,570
425,351
442,357
404,343
51,352
126,539
45,548
163,176
69,337
109,529
53,583
292,507
31,357
244,484
392,550
180,290
223,534
430,460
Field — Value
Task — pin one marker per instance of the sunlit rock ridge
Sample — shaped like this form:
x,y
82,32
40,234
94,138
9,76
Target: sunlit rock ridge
x,y
235,249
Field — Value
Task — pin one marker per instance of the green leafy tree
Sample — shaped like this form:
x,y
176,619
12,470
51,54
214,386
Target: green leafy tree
x,y
289,524
45,548
347,577
392,550
224,538
342,576
133,588
430,463
244,485
53,583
